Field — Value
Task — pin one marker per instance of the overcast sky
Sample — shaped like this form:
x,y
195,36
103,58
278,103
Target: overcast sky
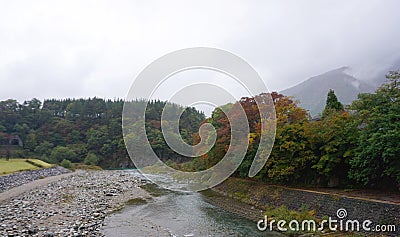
x,y
59,49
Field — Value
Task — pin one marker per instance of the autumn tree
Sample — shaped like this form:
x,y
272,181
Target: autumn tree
x,y
289,158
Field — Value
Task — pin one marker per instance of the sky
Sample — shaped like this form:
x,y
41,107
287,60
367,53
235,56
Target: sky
x,y
80,49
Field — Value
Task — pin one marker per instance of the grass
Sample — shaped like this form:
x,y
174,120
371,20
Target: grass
x,y
41,163
16,165
80,166
283,213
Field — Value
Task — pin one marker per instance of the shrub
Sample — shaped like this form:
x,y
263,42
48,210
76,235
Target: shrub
x,y
61,153
91,159
66,164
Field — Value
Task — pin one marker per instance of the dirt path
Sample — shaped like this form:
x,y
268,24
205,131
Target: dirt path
x,y
14,192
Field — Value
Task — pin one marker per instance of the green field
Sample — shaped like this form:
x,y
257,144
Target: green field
x,y
16,165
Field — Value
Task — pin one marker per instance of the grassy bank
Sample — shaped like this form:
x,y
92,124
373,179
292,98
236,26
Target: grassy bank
x,y
17,165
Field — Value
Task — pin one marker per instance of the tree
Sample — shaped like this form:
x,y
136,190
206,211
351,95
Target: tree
x,y
285,162
334,140
30,141
9,114
332,104
8,153
66,164
290,160
376,161
96,138
30,112
44,148
61,153
22,130
91,159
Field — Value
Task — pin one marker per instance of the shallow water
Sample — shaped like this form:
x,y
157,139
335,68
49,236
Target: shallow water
x,y
171,213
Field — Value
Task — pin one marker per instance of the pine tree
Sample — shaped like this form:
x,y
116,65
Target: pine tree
x,y
332,104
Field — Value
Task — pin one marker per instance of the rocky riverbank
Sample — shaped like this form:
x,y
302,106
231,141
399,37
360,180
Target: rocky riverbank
x,y
16,179
74,206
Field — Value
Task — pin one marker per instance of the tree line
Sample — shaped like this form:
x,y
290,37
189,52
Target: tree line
x,y
85,130
348,146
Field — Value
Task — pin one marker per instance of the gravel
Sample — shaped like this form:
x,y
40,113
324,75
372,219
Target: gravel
x,y
16,179
73,206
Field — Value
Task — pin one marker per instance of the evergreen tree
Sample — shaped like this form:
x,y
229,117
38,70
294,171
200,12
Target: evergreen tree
x,y
332,104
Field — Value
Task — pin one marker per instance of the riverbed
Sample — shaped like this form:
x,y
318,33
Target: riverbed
x,y
172,213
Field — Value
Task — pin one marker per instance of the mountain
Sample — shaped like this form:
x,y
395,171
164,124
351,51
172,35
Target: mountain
x,y
312,92
380,78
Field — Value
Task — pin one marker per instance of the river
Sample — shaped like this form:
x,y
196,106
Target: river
x,y
171,213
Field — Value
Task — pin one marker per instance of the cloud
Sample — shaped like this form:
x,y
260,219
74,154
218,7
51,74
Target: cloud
x,y
95,48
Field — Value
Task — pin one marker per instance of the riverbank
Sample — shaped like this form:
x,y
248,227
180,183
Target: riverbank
x,y
10,181
321,203
75,205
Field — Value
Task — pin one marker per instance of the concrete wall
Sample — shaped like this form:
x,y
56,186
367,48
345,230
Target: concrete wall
x,y
323,203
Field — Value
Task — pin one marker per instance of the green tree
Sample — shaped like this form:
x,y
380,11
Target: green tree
x,y
66,163
30,141
293,155
61,153
376,161
96,138
91,159
30,112
335,138
22,130
91,125
9,114
44,148
332,104
80,150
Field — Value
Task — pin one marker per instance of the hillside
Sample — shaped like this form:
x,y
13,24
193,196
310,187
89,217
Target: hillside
x,y
312,92
86,130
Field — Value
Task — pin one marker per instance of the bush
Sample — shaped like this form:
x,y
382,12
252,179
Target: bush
x,y
61,153
91,159
66,164
80,150
44,148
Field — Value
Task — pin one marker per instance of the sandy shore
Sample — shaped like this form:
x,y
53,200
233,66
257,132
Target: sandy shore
x,y
73,204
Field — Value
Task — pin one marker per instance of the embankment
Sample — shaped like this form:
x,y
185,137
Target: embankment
x,y
325,204
16,179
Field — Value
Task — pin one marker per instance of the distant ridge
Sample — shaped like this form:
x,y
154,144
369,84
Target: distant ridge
x,y
312,92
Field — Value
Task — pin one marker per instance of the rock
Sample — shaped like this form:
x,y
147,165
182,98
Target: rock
x,y
96,214
49,234
68,207
16,179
